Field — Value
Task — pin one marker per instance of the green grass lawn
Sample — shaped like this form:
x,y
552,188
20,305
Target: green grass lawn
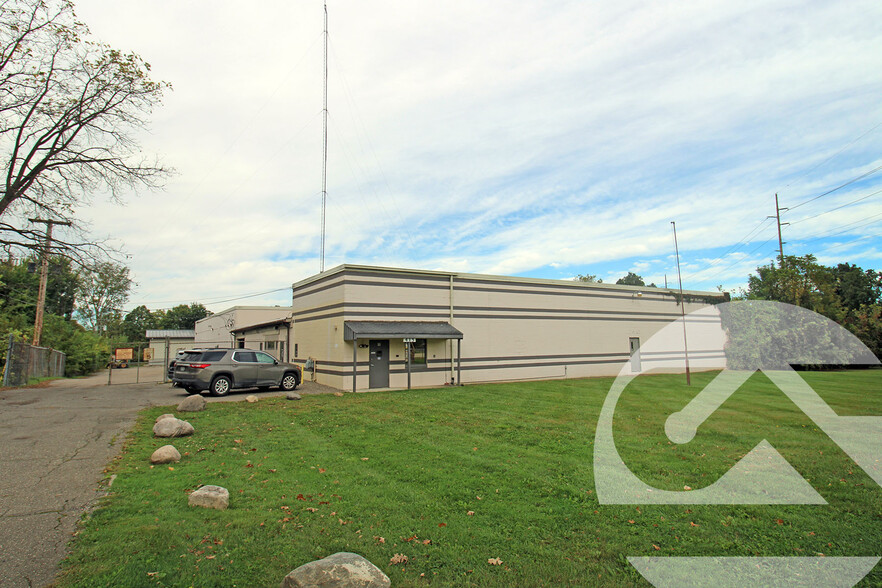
x,y
453,477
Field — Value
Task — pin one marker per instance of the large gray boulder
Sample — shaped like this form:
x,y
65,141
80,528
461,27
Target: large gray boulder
x,y
293,396
172,428
210,496
166,454
193,403
341,570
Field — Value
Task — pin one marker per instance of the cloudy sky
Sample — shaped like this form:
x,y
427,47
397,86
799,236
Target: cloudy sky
x,y
543,139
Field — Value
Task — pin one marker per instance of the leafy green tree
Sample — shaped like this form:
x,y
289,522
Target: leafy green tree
x,y
588,278
866,324
137,322
102,294
20,282
856,287
184,316
631,279
85,351
800,281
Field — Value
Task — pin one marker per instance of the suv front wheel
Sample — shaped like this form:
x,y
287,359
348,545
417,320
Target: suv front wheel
x,y
221,386
289,382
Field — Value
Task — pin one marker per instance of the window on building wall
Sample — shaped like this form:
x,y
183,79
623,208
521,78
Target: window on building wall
x,y
269,346
418,353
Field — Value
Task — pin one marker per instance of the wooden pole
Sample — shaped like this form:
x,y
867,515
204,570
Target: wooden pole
x,y
44,276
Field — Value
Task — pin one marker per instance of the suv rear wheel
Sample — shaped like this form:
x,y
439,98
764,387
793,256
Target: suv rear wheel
x,y
289,382
221,385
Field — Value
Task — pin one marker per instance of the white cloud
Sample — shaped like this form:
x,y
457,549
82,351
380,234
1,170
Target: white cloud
x,y
499,137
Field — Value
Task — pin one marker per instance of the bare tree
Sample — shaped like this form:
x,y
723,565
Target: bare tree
x,y
69,110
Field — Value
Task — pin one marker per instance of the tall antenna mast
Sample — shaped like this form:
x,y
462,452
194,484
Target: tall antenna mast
x,y
325,140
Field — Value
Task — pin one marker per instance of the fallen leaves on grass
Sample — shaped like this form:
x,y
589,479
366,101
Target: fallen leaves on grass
x,y
442,524
379,539
398,558
470,513
494,561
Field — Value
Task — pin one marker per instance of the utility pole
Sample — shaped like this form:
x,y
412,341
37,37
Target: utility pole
x,y
44,276
777,217
682,306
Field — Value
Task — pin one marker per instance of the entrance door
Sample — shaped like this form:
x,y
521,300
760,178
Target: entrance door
x,y
379,372
635,354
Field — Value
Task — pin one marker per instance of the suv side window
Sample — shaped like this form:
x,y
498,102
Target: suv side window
x,y
244,357
265,358
211,356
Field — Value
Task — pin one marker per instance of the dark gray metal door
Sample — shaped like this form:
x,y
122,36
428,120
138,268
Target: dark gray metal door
x,y
379,372
635,354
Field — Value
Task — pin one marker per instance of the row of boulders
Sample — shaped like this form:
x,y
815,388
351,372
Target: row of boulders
x,y
340,570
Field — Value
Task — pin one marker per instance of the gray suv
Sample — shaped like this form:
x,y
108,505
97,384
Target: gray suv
x,y
221,370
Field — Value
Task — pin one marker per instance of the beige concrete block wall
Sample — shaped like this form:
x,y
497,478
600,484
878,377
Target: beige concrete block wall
x,y
214,330
514,329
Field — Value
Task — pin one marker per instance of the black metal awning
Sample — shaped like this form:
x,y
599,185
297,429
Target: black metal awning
x,y
399,330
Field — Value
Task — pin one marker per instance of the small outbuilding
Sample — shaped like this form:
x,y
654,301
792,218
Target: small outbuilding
x,y
166,342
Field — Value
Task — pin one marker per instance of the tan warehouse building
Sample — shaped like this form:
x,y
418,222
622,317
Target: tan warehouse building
x,y
355,324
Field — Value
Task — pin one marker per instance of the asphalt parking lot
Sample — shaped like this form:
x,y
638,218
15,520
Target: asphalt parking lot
x,y
55,442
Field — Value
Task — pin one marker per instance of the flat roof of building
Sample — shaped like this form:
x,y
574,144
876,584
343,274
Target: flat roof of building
x,y
488,277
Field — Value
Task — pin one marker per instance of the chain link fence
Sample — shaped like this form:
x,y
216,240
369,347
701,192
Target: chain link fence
x,y
24,362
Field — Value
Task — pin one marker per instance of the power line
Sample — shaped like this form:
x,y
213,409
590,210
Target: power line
x,y
216,301
853,141
743,241
850,228
848,183
837,208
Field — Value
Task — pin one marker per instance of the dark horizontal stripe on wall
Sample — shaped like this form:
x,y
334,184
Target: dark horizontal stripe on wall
x,y
318,287
691,351
661,297
546,357
347,282
662,318
348,305
681,356
662,293
365,274
544,364
460,309
538,289
359,315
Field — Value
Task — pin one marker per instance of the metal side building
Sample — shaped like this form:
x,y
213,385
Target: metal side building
x,y
354,325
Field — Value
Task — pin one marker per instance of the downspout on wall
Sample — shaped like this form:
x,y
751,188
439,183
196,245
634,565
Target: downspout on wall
x,y
450,341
